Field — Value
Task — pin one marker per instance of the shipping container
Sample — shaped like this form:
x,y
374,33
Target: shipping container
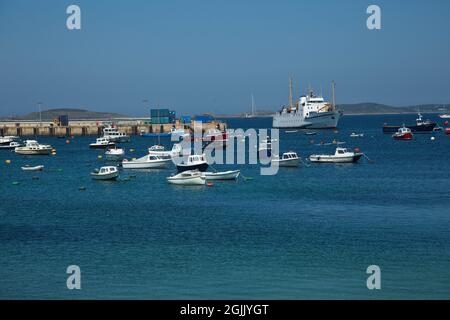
x,y
204,119
159,113
160,120
63,120
185,119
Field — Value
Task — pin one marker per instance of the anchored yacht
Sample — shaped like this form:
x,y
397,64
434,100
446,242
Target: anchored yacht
x,y
310,111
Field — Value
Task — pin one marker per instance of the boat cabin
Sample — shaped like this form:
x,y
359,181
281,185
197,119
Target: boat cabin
x,y
196,159
289,155
404,130
106,170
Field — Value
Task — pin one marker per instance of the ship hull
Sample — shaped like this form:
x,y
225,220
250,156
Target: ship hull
x,y
323,120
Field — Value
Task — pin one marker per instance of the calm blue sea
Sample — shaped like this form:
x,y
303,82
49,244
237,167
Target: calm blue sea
x,y
306,233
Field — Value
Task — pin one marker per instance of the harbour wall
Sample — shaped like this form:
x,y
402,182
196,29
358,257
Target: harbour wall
x,y
95,127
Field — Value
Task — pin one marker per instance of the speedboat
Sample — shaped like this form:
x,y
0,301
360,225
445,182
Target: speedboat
x,y
176,151
288,159
342,155
188,178
32,147
35,168
146,162
444,116
357,135
113,134
102,143
114,154
403,134
105,173
11,145
224,175
193,162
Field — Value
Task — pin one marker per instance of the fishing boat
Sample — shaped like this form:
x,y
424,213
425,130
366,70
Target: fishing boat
x,y
146,162
187,178
32,147
105,173
193,162
102,143
310,111
288,159
114,154
167,154
34,168
11,145
113,134
224,175
403,133
421,126
357,135
341,155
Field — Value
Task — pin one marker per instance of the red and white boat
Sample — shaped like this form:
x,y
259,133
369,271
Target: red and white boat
x,y
403,133
447,130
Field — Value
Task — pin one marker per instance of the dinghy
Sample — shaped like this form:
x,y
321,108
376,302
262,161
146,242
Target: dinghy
x,y
35,168
224,175
115,154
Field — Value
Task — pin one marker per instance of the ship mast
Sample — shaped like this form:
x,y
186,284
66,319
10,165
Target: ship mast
x,y
333,87
291,103
253,106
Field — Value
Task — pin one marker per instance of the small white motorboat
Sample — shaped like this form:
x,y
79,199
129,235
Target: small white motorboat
x,y
187,178
115,154
146,162
11,145
342,155
223,175
102,143
357,135
35,168
193,162
32,147
176,151
288,159
105,173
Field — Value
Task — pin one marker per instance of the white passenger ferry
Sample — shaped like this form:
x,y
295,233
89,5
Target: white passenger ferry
x,y
310,111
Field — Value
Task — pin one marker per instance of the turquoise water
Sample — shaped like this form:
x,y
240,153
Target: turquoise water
x,y
305,233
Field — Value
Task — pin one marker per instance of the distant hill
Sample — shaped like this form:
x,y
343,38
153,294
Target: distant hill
x,y
78,114
371,108
376,108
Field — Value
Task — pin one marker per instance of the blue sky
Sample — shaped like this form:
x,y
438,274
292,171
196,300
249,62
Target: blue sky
x,y
209,56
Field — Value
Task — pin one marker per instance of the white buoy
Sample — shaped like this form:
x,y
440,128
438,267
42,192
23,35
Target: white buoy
x,y
433,138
